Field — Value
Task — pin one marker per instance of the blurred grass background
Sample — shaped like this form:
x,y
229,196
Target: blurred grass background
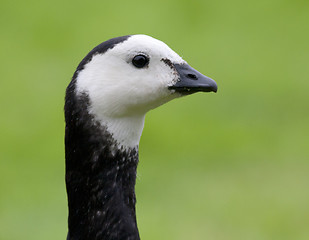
x,y
225,166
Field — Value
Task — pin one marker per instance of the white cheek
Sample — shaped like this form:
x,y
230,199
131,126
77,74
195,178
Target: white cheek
x,y
120,94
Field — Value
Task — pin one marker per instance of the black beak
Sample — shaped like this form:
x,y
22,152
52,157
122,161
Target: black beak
x,y
192,81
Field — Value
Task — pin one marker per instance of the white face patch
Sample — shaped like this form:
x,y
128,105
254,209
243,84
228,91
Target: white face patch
x,y
120,94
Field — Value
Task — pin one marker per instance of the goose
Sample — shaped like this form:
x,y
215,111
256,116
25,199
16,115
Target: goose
x,y
112,89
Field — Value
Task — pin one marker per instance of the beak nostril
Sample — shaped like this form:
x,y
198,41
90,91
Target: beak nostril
x,y
192,76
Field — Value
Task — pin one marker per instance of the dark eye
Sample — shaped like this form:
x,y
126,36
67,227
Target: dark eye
x,y
140,61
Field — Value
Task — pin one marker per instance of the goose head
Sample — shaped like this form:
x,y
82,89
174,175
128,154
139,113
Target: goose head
x,y
126,77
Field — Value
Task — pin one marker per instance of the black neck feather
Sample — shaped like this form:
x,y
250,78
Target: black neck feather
x,y
100,179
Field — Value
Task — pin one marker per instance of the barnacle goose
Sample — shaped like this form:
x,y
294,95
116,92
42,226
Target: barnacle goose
x,y
105,105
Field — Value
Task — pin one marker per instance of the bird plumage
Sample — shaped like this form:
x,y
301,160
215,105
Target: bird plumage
x,y
105,108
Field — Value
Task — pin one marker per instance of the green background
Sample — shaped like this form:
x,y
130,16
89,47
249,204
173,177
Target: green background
x,y
225,166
